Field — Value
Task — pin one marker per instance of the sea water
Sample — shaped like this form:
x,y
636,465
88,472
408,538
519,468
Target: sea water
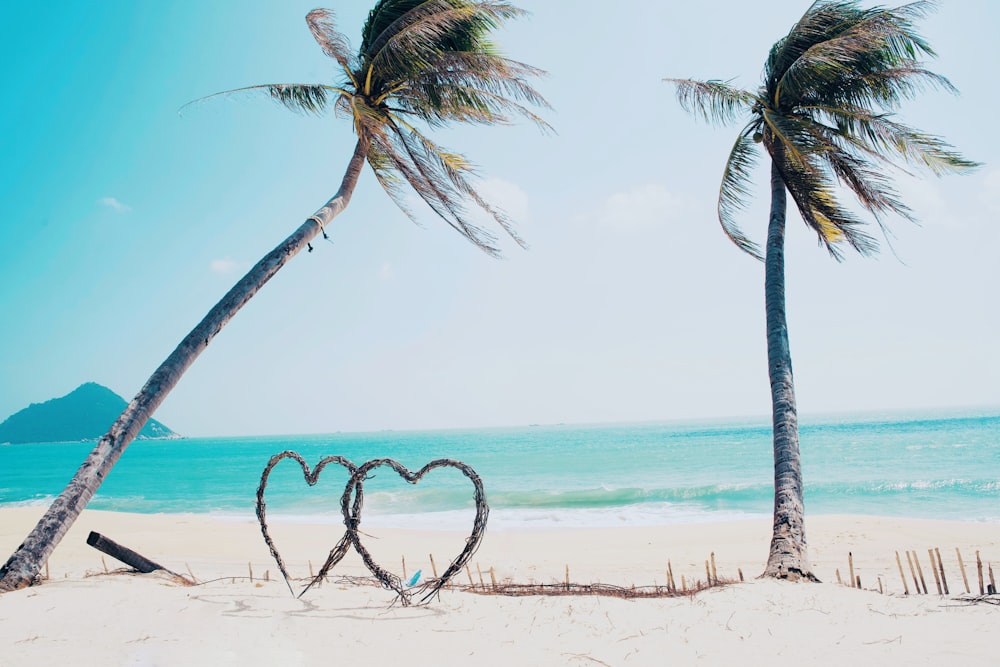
x,y
943,466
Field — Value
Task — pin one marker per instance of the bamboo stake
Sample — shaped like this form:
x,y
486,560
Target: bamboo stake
x,y
913,573
979,569
267,575
433,566
740,572
906,589
961,566
839,581
567,576
937,578
708,573
670,577
920,571
469,572
993,583
405,578
481,582
250,567
105,564
944,580
850,562
880,589
493,578
715,574
858,582
311,576
683,585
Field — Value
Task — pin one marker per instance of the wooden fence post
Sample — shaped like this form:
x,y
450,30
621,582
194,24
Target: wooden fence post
x,y
899,563
961,566
944,581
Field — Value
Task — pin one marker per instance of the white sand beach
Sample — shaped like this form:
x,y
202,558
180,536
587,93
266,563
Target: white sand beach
x,y
82,615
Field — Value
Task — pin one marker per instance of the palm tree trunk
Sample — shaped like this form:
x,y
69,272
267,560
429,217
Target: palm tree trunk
x,y
788,558
22,568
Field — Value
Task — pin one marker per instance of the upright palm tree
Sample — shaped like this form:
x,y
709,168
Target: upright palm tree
x,y
824,115
426,62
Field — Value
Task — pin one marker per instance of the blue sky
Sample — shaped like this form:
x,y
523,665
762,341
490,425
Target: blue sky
x,y
124,221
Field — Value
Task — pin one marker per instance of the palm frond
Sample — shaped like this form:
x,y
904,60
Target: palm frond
x,y
457,25
734,193
310,98
331,40
407,156
414,41
427,61
301,97
380,159
876,50
441,104
921,149
824,112
716,101
814,194
470,87
793,135
872,187
434,161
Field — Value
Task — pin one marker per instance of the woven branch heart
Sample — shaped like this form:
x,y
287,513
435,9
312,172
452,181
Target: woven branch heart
x,y
312,476
352,518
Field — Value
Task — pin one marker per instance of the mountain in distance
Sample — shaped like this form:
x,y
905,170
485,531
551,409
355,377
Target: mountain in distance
x,y
86,413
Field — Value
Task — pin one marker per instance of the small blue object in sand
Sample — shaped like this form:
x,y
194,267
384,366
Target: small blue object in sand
x,y
414,579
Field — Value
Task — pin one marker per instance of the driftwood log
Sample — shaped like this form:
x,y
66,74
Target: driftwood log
x,y
129,557
124,554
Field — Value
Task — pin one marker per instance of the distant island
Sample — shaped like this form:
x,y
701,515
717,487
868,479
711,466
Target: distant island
x,y
86,413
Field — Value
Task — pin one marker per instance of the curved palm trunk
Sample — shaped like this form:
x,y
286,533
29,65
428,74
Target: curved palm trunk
x,y
788,558
23,566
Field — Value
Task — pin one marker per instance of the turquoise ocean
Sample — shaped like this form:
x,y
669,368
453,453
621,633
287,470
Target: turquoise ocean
x,y
932,465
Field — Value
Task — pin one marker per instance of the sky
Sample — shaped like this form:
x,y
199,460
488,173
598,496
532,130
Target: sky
x,y
125,220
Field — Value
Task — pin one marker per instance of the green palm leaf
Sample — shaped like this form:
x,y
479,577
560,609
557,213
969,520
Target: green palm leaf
x,y
734,193
824,112
426,60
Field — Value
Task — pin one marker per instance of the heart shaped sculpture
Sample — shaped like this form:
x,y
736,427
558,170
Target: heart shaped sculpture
x,y
351,508
312,476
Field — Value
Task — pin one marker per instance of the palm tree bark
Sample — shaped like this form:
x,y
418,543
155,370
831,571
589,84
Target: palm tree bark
x,y
788,558
22,568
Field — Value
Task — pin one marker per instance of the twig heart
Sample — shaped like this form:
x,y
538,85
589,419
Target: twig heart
x,y
351,503
353,498
311,477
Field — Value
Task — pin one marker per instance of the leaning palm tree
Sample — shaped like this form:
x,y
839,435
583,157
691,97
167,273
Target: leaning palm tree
x,y
420,63
824,115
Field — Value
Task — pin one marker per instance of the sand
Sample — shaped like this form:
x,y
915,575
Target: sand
x,y
82,615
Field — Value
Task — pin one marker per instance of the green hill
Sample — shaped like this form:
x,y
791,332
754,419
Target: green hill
x,y
86,413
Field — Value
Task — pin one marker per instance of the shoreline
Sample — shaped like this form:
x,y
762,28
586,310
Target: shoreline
x,y
625,555
131,619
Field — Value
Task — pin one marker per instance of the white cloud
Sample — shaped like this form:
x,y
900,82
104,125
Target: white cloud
x,y
224,265
385,272
643,206
507,196
991,190
504,195
924,196
112,203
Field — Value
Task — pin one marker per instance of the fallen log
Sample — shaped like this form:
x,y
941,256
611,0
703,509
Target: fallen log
x,y
126,555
